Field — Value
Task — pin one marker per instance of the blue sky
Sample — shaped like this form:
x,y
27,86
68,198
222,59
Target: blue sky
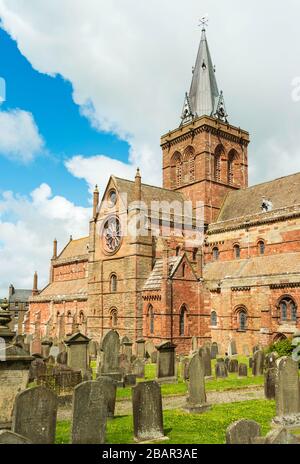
x,y
66,133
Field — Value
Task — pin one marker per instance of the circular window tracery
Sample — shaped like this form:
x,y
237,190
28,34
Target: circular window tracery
x,y
112,235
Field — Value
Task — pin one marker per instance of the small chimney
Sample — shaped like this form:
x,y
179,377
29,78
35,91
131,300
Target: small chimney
x,y
95,201
138,186
54,249
35,284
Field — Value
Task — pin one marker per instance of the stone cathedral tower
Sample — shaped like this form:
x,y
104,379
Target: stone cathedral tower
x,y
205,157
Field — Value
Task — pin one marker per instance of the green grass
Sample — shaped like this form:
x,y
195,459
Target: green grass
x,y
184,428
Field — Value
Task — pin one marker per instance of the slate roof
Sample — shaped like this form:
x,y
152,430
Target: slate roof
x,y
155,278
64,289
20,295
283,193
75,248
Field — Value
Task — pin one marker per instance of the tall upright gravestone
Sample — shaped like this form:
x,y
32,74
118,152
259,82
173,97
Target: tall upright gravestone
x,y
205,354
287,393
258,363
110,348
34,415
166,363
140,348
89,414
77,349
109,390
196,401
14,368
147,412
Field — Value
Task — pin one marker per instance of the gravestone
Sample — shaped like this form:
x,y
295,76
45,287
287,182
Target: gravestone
x,y
221,370
153,357
258,363
227,361
185,368
124,364
147,412
242,432
281,437
270,360
46,346
232,351
126,345
77,352
129,380
194,344
110,348
270,383
36,345
205,354
37,368
109,390
287,391
90,410
140,348
214,350
34,415
54,352
233,366
50,361
166,363
138,368
196,401
255,348
149,348
250,363
14,368
62,358
243,370
93,350
10,438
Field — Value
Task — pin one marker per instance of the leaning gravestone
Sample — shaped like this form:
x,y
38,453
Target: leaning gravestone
x,y
166,363
10,438
287,393
109,390
205,354
258,363
110,347
196,401
270,383
221,370
138,368
34,415
233,366
243,370
89,414
242,432
147,412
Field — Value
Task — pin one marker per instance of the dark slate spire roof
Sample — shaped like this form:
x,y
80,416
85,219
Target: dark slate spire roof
x,y
204,97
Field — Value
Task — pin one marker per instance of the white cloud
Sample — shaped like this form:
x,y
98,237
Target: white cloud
x,y
28,226
19,136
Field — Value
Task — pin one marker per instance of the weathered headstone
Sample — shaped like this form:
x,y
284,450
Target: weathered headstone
x,y
46,346
242,432
147,412
205,354
124,364
140,348
258,363
287,391
126,344
221,370
166,363
37,368
93,350
34,415
110,347
270,360
149,348
185,368
109,390
89,414
8,437
77,352
194,344
270,383
129,380
233,366
54,351
281,437
153,357
232,351
196,401
243,370
138,368
214,350
62,358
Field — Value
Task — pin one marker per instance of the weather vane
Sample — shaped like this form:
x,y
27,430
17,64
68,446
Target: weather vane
x,y
204,21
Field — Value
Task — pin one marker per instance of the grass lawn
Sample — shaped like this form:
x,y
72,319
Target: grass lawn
x,y
184,428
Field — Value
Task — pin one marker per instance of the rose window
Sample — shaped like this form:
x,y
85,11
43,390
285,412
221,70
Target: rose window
x,y
112,234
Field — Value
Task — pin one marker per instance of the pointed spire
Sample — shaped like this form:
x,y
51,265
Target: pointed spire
x,y
204,97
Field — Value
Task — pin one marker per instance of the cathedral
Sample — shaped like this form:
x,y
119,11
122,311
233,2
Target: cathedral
x,y
142,272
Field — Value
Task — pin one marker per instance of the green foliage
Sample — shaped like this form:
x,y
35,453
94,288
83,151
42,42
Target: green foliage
x,y
183,428
282,348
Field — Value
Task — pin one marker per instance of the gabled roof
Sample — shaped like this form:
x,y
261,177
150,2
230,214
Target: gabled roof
x,y
20,295
283,192
75,248
65,289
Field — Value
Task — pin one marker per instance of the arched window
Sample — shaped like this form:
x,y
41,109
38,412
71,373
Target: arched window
x,y
113,283
69,317
242,319
261,247
217,162
192,169
150,316
213,319
288,309
81,317
216,254
182,317
114,317
176,164
232,155
237,251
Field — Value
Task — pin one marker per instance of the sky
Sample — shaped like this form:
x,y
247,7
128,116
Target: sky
x,y
91,86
